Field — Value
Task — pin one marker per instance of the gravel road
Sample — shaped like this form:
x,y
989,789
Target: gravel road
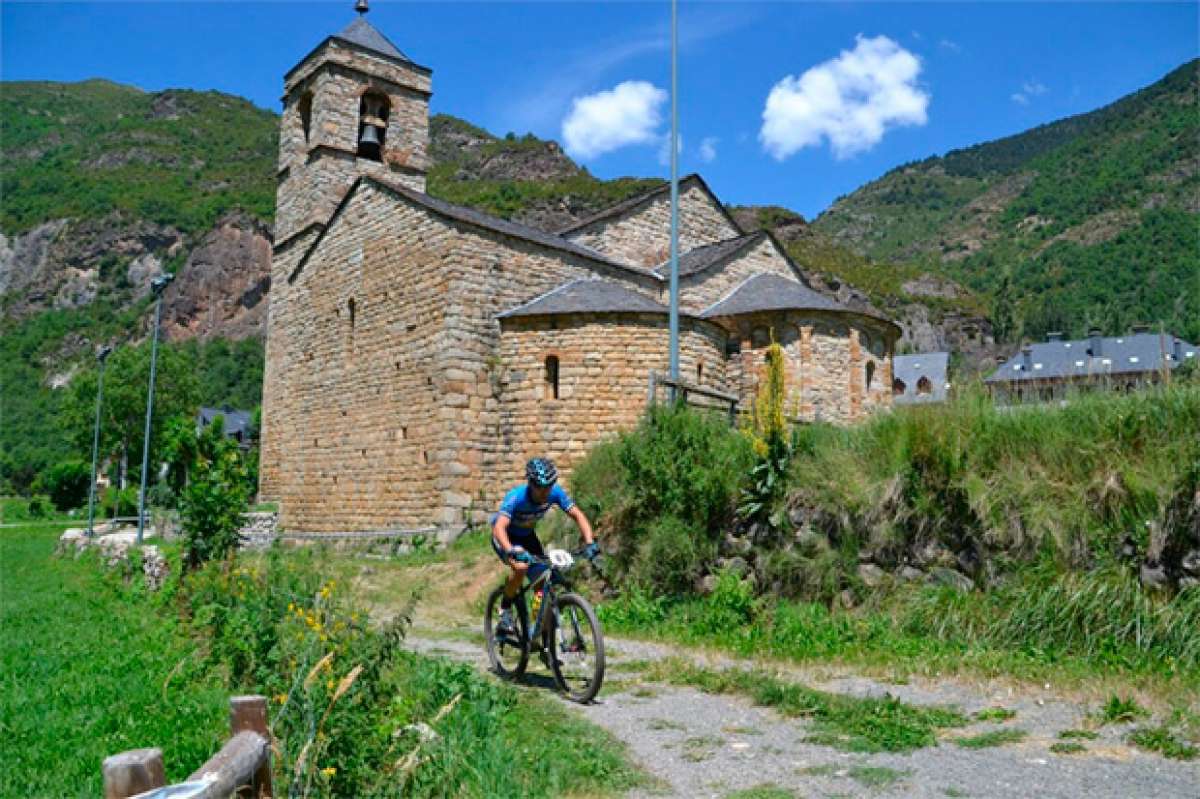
x,y
701,745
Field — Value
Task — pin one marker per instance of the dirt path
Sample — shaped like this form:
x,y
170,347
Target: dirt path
x,y
702,745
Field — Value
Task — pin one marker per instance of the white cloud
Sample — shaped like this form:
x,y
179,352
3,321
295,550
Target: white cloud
x,y
708,149
1033,88
952,46
850,100
629,113
1030,88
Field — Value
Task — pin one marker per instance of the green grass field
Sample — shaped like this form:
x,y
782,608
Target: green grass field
x,y
90,667
86,672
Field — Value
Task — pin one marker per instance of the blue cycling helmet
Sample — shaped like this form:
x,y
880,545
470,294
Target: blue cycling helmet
x,y
541,472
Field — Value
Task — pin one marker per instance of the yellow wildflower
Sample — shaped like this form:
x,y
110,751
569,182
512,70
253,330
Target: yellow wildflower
x,y
281,698
328,771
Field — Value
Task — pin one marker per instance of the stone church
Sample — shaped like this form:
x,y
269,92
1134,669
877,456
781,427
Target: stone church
x,y
419,352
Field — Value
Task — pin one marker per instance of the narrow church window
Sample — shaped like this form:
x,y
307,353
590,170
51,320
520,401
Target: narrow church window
x,y
699,372
305,109
352,308
924,386
870,374
551,377
372,125
898,387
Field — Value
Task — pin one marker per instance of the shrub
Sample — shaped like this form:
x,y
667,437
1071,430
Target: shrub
x,y
212,505
120,501
67,484
662,494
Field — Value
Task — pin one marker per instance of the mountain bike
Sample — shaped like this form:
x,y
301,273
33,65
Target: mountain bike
x,y
564,629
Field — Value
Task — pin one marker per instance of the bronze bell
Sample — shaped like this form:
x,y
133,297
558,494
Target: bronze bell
x,y
370,135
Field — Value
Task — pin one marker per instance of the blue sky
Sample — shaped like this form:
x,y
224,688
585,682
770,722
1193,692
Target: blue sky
x,y
856,88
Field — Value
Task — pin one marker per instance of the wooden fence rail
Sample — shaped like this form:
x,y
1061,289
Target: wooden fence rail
x,y
241,768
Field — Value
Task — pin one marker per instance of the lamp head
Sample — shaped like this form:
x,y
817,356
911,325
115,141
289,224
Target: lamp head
x,y
159,283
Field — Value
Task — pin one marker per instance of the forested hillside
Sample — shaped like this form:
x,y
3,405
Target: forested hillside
x,y
1089,221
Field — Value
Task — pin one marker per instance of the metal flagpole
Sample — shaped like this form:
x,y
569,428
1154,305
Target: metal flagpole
x,y
101,355
159,285
674,315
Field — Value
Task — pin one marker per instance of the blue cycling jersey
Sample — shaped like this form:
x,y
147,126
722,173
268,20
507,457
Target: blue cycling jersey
x,y
523,513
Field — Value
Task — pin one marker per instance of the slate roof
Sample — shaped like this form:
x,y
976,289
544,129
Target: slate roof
x,y
698,259
235,421
1132,354
909,369
587,296
478,219
365,35
766,292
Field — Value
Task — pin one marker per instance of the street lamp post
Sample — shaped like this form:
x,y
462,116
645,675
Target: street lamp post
x,y
673,314
101,355
158,285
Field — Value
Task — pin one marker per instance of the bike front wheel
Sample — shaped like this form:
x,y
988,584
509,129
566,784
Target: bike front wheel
x,y
577,658
508,652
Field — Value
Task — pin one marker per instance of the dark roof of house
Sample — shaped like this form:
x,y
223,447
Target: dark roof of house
x,y
235,421
909,369
365,35
1132,354
472,217
587,296
700,258
767,292
646,196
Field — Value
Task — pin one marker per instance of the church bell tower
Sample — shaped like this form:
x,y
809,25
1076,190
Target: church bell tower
x,y
355,105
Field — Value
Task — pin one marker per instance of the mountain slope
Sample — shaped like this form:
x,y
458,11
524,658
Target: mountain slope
x,y
1090,220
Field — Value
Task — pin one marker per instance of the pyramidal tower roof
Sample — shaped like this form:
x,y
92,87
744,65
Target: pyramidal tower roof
x,y
365,35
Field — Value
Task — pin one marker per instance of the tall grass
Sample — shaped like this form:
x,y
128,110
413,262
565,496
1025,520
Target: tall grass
x,y
1074,482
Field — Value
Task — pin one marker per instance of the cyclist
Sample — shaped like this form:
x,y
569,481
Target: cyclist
x,y
513,535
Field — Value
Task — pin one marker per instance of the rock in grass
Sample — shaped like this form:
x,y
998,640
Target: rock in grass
x,y
910,574
940,575
871,575
1152,576
1191,563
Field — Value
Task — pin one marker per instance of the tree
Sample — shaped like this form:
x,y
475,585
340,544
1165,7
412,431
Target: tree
x,y
123,413
66,483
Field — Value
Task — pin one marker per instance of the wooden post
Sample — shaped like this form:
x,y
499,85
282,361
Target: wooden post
x,y
249,714
133,772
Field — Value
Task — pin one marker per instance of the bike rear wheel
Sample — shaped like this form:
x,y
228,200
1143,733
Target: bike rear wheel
x,y
577,656
508,654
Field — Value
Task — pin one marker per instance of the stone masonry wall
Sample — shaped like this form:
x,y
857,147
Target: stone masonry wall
x,y
393,420
491,273
642,237
604,363
826,361
358,424
700,290
314,173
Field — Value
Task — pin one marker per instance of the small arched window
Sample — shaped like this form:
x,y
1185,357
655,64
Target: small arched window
x,y
760,337
305,109
699,372
551,391
373,112
924,386
870,374
352,307
898,387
